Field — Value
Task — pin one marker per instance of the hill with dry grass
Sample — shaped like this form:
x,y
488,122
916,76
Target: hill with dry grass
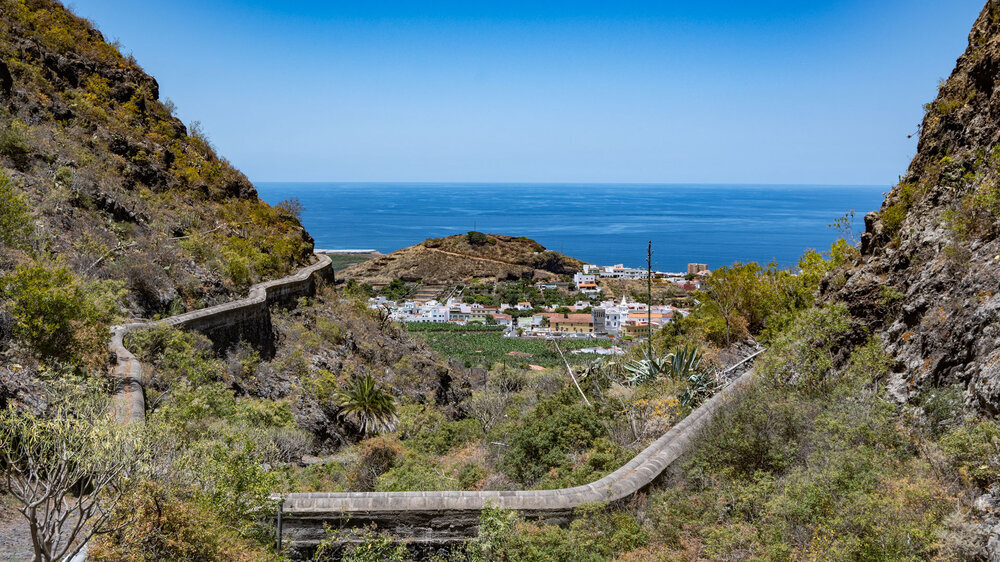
x,y
456,259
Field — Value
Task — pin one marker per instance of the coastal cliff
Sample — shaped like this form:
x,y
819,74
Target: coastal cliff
x,y
928,279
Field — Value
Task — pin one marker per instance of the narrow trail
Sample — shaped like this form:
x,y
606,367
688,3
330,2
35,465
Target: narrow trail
x,y
479,258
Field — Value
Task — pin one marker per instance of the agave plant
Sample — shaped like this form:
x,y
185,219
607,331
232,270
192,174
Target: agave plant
x,y
646,369
684,360
680,364
700,387
367,405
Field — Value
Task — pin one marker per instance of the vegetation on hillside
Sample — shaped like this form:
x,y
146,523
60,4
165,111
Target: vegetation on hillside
x,y
117,186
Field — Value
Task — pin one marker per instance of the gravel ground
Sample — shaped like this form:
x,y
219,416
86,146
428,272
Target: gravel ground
x,y
15,539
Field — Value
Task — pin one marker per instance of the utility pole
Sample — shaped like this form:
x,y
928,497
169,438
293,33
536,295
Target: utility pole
x,y
649,298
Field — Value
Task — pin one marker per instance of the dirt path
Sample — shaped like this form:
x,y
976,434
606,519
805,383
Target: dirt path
x,y
15,539
480,258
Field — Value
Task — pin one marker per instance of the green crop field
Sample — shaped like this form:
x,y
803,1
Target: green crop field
x,y
490,348
340,261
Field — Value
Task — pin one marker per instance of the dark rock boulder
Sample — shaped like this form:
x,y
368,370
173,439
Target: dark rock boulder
x,y
6,80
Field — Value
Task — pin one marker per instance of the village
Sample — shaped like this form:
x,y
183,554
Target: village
x,y
591,316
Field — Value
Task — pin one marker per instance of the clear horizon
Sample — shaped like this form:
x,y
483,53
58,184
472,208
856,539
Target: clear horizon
x,y
779,92
663,183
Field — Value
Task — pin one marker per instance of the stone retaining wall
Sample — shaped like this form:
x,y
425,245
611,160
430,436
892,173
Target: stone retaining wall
x,y
441,517
245,319
425,517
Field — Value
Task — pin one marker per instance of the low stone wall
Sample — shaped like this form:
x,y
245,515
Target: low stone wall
x,y
245,319
441,517
425,517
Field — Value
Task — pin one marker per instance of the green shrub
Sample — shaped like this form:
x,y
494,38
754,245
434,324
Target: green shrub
x,y
597,533
888,295
803,354
470,477
974,451
942,407
757,431
557,426
361,545
425,429
58,316
16,224
604,458
869,363
176,354
64,177
893,215
413,473
14,141
232,481
476,238
165,526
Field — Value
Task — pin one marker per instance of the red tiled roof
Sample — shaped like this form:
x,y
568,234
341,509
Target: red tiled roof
x,y
570,318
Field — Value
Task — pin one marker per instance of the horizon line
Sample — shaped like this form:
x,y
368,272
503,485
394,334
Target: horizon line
x,y
720,184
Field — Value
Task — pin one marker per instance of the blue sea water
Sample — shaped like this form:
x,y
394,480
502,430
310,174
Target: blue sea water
x,y
598,223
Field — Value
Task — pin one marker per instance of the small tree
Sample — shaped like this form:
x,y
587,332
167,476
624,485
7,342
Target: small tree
x,y
487,407
68,470
725,289
292,206
368,405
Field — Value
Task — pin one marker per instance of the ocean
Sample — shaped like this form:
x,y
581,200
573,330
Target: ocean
x,y
603,224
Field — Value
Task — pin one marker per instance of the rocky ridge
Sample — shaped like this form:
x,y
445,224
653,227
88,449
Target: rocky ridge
x,y
928,280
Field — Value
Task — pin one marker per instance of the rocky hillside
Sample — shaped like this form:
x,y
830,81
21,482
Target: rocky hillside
x,y
455,259
117,187
929,276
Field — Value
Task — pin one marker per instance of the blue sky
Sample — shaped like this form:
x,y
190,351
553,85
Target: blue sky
x,y
700,92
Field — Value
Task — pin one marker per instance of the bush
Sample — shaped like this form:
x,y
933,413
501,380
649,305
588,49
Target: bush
x,y
894,215
942,408
164,526
16,225
477,238
604,458
58,316
292,206
758,431
14,142
413,473
974,451
233,482
557,426
176,355
425,429
375,457
803,354
364,545
596,534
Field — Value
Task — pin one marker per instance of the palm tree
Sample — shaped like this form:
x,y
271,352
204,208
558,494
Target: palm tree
x,y
367,405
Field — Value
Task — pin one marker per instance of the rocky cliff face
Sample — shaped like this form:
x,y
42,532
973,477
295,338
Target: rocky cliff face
x,y
928,280
119,188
